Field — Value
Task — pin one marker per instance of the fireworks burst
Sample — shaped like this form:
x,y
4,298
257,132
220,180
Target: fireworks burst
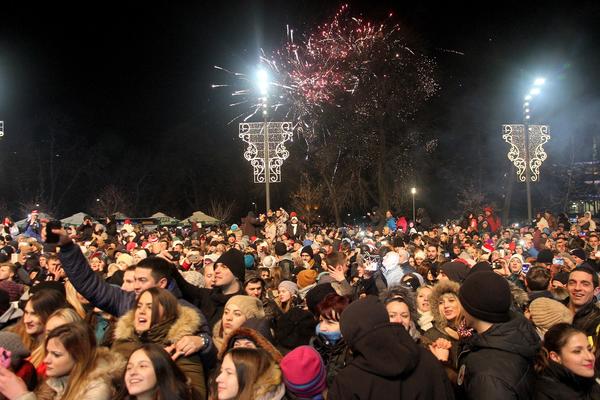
x,y
346,62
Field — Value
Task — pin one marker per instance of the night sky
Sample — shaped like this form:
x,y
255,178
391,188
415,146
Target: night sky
x,y
142,73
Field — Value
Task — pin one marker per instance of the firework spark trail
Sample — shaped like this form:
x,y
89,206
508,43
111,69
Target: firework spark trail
x,y
326,66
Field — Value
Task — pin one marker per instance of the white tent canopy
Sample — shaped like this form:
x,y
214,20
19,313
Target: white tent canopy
x,y
164,219
200,217
75,219
42,215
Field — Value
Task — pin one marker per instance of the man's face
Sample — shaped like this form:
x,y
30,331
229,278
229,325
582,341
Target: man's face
x,y
55,268
581,288
561,245
5,273
432,253
223,275
128,281
254,290
143,280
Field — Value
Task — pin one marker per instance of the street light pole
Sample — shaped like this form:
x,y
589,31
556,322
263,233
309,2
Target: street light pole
x,y
413,191
267,163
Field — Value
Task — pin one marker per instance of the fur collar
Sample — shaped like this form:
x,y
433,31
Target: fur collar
x,y
186,324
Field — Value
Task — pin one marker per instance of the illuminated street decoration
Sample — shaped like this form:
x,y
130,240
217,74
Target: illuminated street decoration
x,y
526,148
1,128
266,146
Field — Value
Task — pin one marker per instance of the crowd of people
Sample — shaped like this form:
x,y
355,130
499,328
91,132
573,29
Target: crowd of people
x,y
274,309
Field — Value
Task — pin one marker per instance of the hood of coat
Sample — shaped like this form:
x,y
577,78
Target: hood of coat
x,y
252,335
379,347
187,324
516,336
269,383
440,289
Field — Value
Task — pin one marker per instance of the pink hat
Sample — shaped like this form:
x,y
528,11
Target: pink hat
x,y
304,372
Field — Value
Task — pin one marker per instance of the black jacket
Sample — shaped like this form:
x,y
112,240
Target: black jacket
x,y
558,383
335,356
587,318
498,364
387,363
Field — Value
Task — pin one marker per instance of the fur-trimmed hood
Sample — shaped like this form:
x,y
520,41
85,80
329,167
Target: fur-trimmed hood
x,y
255,337
187,324
269,384
108,370
440,289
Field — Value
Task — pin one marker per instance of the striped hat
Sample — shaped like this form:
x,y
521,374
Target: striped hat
x,y
304,373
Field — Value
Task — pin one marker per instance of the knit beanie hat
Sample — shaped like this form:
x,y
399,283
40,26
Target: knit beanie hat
x,y
294,328
545,256
280,249
308,250
12,342
306,278
251,306
234,260
545,313
316,294
577,252
289,286
455,271
486,296
249,261
304,373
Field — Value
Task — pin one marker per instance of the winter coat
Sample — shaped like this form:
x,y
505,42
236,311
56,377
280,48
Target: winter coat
x,y
250,225
335,356
98,386
112,299
587,318
388,364
558,383
187,323
300,231
498,364
440,327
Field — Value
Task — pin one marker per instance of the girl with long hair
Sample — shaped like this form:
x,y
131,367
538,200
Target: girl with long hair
x,y
31,328
151,374
158,318
248,374
75,368
565,365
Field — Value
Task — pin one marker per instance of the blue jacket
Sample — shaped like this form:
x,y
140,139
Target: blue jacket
x,y
391,223
113,299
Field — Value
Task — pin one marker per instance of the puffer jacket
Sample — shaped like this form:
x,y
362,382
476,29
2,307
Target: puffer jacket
x,y
498,364
187,323
99,383
587,318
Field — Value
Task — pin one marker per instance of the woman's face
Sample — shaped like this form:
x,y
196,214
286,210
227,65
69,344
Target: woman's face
x,y
577,356
140,377
328,325
227,381
449,306
233,318
423,299
97,264
284,295
399,313
418,261
34,325
515,265
143,313
58,360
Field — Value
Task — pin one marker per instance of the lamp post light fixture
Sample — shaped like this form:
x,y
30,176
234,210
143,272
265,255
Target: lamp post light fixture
x,y
413,191
526,144
266,150
1,128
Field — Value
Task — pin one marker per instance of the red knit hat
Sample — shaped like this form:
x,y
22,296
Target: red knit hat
x,y
293,214
304,372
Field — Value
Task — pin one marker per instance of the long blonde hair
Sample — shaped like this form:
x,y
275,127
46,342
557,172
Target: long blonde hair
x,y
79,340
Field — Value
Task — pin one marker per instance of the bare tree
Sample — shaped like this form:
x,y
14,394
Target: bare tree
x,y
308,199
111,199
221,209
